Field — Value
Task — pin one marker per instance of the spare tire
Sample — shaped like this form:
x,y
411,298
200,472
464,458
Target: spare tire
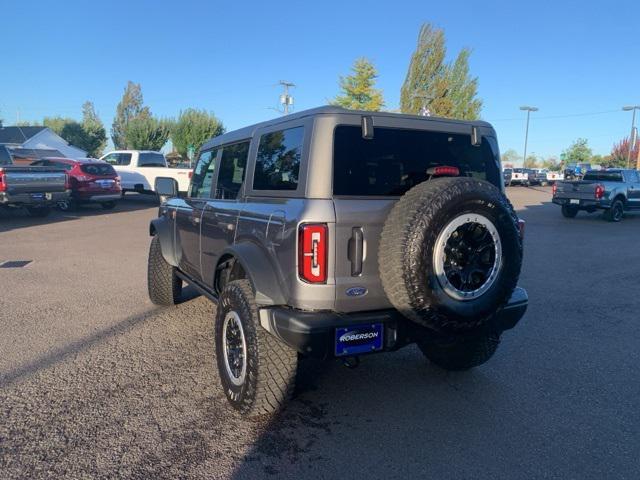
x,y
450,253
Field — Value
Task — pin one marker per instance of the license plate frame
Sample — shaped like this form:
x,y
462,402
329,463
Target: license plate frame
x,y
39,197
359,339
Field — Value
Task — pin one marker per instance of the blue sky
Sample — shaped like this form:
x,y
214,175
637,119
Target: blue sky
x,y
567,58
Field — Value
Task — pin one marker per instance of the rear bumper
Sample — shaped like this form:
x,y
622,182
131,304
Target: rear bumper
x,y
313,333
32,199
585,203
98,197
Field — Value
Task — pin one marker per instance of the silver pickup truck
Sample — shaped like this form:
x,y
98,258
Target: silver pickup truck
x,y
613,190
33,188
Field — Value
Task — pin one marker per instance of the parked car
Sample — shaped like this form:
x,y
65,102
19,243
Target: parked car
x,y
539,177
90,180
614,191
575,171
335,233
553,177
507,173
520,176
138,170
34,188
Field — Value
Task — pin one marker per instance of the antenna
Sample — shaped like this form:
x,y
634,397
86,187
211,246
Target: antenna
x,y
286,100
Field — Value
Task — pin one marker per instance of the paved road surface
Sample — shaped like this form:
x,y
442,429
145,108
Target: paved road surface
x,y
97,382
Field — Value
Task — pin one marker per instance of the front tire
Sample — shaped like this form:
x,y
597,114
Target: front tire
x,y
164,286
569,212
257,371
461,353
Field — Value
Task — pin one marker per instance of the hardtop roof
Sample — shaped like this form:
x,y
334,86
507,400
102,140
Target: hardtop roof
x,y
248,132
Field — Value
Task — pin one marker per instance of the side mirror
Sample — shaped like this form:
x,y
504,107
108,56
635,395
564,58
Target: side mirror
x,y
166,188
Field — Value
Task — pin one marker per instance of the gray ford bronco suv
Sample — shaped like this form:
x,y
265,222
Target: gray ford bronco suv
x,y
338,233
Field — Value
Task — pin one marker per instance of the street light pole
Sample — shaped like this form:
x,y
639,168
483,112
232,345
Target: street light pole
x,y
632,138
528,109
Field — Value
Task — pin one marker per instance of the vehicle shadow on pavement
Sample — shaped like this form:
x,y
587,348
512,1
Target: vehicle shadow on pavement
x,y
12,219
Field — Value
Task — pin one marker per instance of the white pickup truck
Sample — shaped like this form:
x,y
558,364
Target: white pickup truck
x,y
138,170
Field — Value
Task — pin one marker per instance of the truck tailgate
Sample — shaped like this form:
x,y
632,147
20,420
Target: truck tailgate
x,y
578,190
34,180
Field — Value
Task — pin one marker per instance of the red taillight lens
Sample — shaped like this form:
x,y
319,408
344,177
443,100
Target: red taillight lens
x,y
312,253
443,171
599,191
190,174
554,189
3,185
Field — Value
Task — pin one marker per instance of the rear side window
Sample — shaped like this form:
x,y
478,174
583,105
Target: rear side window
x,y
118,158
151,160
66,166
5,157
278,160
395,160
98,169
233,165
603,176
203,175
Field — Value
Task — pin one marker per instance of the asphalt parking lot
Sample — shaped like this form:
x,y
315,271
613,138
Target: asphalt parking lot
x,y
97,382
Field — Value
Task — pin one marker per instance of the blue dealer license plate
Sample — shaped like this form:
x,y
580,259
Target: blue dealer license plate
x,y
359,339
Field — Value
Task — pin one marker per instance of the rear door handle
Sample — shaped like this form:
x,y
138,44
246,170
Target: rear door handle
x,y
355,251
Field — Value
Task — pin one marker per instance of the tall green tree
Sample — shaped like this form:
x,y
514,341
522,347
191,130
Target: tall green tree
x,y
57,124
193,128
358,89
96,135
579,151
147,133
431,83
131,107
510,157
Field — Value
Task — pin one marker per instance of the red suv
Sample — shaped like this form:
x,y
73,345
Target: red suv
x,y
90,180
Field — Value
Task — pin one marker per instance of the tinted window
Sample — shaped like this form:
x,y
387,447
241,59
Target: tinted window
x,y
603,176
98,169
395,160
66,166
118,158
232,167
203,175
151,160
5,157
278,160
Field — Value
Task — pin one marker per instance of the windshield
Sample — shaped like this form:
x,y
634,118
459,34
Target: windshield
x,y
98,169
603,176
395,159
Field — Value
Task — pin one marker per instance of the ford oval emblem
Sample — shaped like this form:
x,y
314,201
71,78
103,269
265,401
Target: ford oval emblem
x,y
356,291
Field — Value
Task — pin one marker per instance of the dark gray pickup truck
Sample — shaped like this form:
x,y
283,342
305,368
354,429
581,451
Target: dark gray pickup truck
x,y
614,191
33,188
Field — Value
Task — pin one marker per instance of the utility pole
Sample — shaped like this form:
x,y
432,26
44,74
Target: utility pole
x,y
285,99
634,133
526,132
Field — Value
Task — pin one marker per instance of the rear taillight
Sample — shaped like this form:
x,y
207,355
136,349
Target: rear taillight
x,y
554,189
190,174
312,253
3,185
521,227
599,191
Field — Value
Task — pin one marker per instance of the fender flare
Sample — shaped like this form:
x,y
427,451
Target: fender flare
x,y
164,230
260,272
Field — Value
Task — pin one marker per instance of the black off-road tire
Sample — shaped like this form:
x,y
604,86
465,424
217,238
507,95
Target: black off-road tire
x,y
164,286
461,353
108,205
270,364
406,259
615,212
39,212
569,211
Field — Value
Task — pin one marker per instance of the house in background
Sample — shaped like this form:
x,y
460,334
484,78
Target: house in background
x,y
27,144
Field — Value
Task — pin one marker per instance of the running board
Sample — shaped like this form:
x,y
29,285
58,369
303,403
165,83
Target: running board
x,y
198,286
